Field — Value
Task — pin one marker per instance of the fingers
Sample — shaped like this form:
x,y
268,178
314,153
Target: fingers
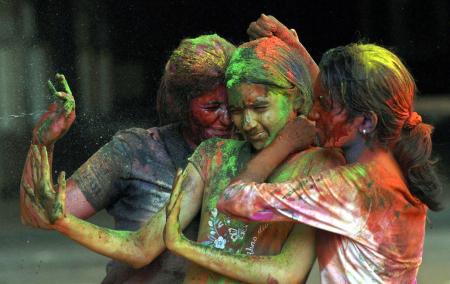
x,y
35,164
46,180
52,88
59,209
69,105
172,221
29,191
294,32
176,189
271,20
44,164
255,31
61,194
63,82
268,23
65,95
263,27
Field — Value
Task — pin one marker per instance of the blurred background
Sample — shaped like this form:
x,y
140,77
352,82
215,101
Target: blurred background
x,y
113,53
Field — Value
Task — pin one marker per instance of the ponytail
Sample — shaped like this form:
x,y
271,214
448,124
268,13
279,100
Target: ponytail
x,y
413,153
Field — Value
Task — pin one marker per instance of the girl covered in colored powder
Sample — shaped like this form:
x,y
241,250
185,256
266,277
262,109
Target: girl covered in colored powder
x,y
371,213
131,176
268,85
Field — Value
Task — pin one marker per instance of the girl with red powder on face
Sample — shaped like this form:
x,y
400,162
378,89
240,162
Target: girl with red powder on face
x,y
131,176
371,213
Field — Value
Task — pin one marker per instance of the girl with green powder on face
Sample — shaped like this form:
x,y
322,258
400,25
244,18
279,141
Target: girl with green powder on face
x,y
268,85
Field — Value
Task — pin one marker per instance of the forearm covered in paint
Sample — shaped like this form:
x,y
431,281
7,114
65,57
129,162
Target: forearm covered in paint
x,y
291,265
127,246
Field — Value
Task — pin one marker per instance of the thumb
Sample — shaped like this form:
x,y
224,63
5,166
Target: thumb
x,y
59,209
294,32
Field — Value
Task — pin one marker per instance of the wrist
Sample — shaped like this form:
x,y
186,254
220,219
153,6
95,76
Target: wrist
x,y
36,141
61,224
282,146
174,243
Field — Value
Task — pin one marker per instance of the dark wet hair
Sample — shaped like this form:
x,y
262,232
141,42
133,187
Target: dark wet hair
x,y
197,65
365,78
271,62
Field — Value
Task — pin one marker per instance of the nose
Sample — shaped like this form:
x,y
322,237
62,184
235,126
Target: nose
x,y
248,122
225,117
314,113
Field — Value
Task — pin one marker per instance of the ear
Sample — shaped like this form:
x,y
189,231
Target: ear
x,y
369,123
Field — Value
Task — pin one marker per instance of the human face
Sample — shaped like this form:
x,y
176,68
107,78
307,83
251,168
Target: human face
x,y
332,122
259,112
208,115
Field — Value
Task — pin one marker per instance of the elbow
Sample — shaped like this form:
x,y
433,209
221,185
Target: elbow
x,y
142,253
137,263
139,259
294,277
287,277
287,271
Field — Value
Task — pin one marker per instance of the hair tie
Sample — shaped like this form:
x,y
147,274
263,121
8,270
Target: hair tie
x,y
413,120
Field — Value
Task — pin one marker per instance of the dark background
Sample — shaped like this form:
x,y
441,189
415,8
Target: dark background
x,y
113,54
135,38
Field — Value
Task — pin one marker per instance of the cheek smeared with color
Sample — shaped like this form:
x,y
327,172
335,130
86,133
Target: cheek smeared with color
x,y
280,117
335,128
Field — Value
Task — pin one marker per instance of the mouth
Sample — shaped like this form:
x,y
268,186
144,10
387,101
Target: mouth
x,y
256,136
319,139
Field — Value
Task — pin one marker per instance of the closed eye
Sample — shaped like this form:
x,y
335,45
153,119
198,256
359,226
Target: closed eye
x,y
211,107
260,108
235,110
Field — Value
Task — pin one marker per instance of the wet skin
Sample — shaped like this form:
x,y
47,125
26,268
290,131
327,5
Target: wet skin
x,y
259,112
208,116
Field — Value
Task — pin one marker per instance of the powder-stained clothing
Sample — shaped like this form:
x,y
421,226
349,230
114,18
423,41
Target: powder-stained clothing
x,y
372,227
131,176
220,160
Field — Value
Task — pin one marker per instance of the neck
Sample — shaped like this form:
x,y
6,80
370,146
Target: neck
x,y
191,139
355,150
360,152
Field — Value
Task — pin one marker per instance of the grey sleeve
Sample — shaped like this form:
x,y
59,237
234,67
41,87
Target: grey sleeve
x,y
99,177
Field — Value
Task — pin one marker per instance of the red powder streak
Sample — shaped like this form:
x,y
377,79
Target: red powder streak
x,y
291,76
267,48
334,130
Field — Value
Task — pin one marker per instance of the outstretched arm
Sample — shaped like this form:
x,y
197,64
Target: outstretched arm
x,y
291,265
266,26
52,126
136,248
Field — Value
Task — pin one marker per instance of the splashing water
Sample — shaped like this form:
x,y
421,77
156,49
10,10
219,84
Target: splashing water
x,y
21,115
